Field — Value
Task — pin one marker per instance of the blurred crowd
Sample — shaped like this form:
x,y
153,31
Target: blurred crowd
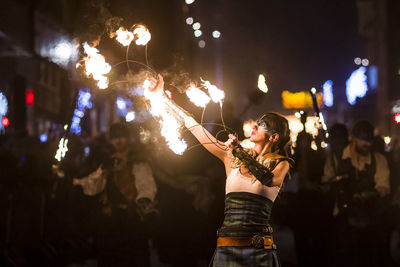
x,y
121,199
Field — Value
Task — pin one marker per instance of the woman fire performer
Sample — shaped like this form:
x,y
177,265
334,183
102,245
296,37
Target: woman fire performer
x,y
254,179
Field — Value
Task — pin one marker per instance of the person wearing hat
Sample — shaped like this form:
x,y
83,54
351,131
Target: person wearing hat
x,y
359,178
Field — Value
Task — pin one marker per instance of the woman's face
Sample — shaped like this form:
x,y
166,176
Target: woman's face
x,y
258,134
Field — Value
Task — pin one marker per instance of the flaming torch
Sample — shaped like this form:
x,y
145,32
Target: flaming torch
x,y
197,97
124,37
217,95
96,66
170,126
142,34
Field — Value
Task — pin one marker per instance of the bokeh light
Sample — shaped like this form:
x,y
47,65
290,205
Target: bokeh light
x,y
189,21
202,43
197,33
196,26
365,62
216,34
357,61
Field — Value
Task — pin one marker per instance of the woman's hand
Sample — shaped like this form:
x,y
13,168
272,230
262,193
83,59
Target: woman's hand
x,y
156,86
232,142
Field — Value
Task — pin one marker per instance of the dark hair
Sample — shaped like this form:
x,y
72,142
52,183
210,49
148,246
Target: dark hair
x,y
280,125
118,130
363,130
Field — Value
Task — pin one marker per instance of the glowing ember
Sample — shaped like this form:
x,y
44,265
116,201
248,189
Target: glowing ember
x,y
124,37
96,66
198,97
261,83
217,95
62,149
141,34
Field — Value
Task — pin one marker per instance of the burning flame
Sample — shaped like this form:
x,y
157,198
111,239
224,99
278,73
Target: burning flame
x,y
198,97
62,149
124,37
170,131
261,83
141,34
170,127
96,66
217,95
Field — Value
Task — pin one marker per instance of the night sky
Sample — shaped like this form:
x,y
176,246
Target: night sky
x,y
296,44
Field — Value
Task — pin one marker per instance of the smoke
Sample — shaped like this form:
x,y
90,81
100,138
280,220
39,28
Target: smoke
x,y
176,76
136,79
112,25
97,19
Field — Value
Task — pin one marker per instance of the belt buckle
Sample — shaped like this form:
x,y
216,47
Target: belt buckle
x,y
257,241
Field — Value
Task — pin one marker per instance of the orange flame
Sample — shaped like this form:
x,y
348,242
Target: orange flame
x,y
166,113
96,66
198,97
125,37
142,34
216,94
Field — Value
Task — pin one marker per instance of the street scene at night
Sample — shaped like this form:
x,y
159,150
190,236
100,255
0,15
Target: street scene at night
x,y
200,133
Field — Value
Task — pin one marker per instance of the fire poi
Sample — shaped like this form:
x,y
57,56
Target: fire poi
x,y
164,110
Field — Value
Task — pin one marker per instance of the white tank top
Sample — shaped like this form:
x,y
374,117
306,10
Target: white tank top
x,y
237,182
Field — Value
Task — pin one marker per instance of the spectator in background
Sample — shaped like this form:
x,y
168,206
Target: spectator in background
x,y
360,179
309,204
128,191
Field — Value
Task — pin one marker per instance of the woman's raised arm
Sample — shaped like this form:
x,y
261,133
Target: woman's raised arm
x,y
205,138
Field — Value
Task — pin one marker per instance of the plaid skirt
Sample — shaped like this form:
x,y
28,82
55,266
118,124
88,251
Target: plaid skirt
x,y
246,215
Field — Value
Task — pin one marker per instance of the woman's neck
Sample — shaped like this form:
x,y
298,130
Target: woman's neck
x,y
262,148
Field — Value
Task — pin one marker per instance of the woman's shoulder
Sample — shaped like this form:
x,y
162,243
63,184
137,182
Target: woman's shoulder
x,y
277,158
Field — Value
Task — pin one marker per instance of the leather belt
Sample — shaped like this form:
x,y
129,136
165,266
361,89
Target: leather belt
x,y
257,241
